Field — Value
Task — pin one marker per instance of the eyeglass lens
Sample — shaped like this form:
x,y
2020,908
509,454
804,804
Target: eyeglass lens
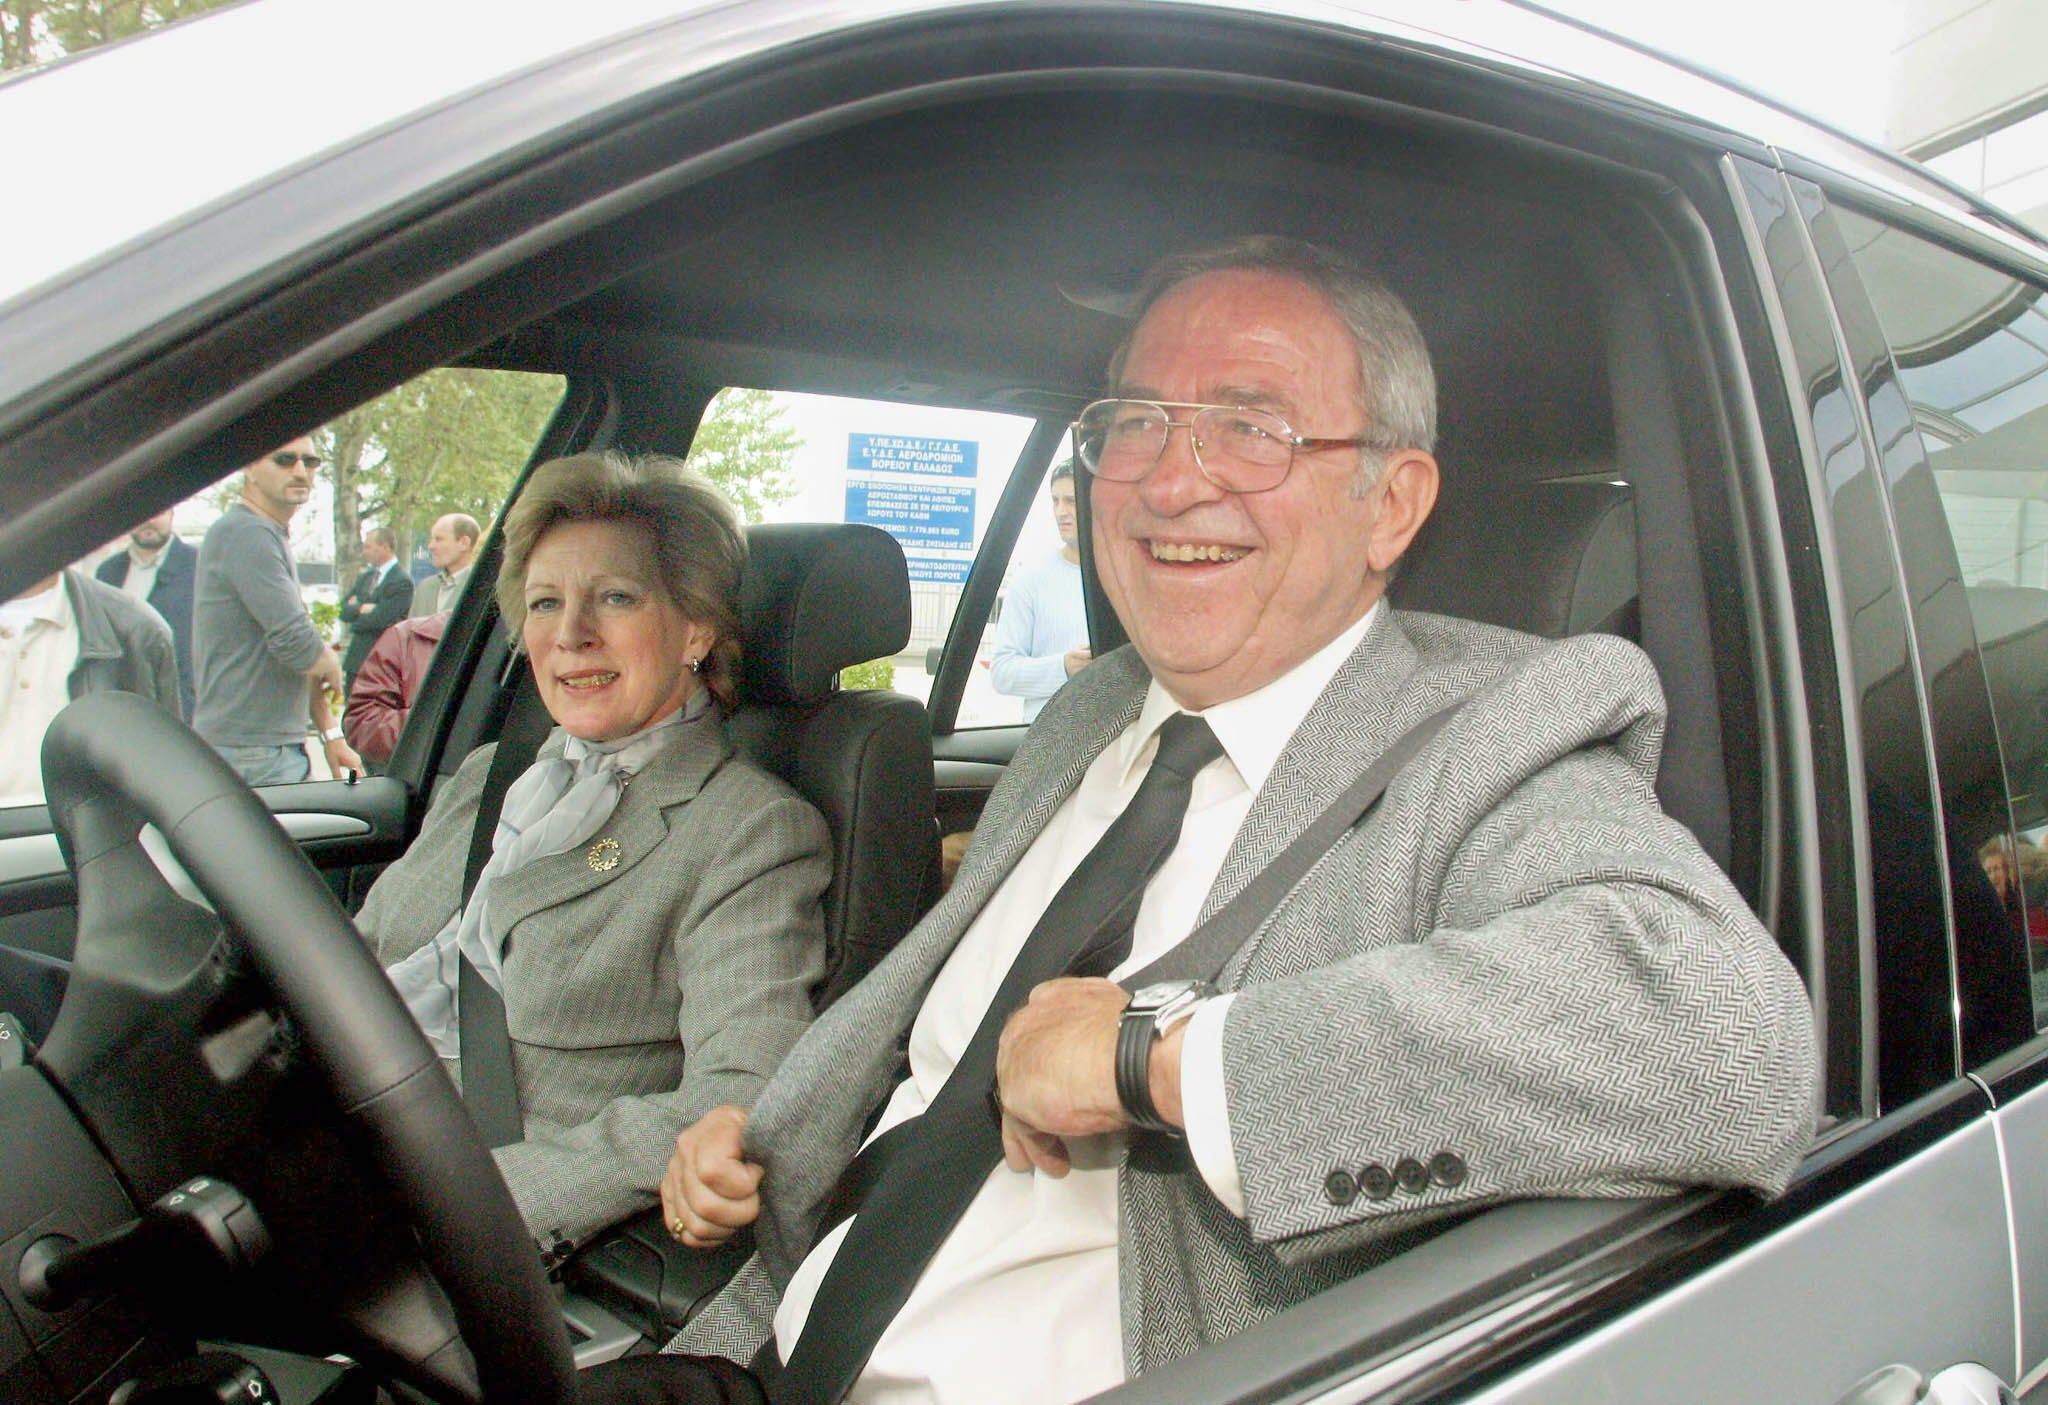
x,y
1241,450
285,458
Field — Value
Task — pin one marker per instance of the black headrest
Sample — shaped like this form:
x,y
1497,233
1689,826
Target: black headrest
x,y
818,597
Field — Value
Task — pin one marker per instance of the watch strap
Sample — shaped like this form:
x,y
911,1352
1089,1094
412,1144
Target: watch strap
x,y
1134,1036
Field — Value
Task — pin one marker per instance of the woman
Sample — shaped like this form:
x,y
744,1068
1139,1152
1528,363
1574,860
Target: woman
x,y
650,911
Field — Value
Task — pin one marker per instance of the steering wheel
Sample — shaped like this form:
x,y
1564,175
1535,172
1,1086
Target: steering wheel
x,y
152,972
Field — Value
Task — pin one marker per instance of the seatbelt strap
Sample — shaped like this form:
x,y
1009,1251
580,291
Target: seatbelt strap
x,y
1208,949
489,1086
1205,951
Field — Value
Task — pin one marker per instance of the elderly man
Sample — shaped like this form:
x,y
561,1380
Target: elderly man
x,y
261,669
451,545
1517,977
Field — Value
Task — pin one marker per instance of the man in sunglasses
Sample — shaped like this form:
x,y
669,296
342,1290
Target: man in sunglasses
x,y
1516,977
262,671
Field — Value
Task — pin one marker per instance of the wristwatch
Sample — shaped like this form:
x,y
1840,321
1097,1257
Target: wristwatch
x,y
1153,1011
331,734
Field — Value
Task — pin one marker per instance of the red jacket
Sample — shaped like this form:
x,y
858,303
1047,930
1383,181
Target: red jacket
x,y
390,677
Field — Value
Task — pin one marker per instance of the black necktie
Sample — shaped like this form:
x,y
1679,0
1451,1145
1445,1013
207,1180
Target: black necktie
x,y
939,1162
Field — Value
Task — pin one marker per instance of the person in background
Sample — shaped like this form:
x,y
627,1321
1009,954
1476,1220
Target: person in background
x,y
378,599
1042,638
261,670
380,698
66,636
650,912
451,544
158,566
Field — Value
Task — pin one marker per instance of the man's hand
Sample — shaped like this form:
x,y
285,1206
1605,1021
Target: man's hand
x,y
342,758
711,1191
1056,1071
1078,659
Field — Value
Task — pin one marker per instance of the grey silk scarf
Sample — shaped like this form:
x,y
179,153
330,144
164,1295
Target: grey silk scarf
x,y
556,805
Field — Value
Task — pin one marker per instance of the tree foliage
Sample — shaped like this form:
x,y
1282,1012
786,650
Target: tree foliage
x,y
748,448
452,440
36,31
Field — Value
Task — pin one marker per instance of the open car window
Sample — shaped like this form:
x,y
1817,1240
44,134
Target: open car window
x,y
438,452
930,476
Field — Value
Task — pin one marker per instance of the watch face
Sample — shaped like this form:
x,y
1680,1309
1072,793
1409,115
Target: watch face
x,y
1153,996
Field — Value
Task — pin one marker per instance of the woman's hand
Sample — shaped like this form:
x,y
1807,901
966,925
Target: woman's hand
x,y
711,1191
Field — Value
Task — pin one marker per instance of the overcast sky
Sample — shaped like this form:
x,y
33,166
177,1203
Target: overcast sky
x,y
1771,44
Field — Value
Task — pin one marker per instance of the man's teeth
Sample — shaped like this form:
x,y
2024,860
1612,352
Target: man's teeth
x,y
1183,551
589,680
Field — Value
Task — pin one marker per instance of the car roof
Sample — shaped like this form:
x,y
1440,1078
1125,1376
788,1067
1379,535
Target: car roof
x,y
148,132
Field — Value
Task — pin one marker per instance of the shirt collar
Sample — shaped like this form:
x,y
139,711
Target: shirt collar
x,y
1255,728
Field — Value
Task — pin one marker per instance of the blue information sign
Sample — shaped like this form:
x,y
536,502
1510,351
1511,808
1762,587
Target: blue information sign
x,y
903,453
916,514
936,570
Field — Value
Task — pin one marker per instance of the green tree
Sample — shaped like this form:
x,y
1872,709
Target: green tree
x,y
452,440
36,31
747,447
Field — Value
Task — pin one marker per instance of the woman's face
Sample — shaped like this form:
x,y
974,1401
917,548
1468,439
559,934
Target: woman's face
x,y
610,651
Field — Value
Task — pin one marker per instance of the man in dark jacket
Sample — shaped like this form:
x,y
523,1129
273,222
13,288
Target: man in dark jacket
x,y
67,636
378,599
157,567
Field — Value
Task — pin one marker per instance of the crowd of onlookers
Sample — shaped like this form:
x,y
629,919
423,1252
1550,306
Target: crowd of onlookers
x,y
220,633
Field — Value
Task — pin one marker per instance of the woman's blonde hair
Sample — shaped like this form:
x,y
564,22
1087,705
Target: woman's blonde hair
x,y
699,547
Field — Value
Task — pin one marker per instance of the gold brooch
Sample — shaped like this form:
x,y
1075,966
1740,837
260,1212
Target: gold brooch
x,y
604,856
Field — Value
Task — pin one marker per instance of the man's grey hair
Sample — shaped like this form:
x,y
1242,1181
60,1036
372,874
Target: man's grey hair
x,y
1397,384
1063,469
384,537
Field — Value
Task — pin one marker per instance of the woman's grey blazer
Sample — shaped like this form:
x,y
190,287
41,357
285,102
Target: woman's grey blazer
x,y
641,996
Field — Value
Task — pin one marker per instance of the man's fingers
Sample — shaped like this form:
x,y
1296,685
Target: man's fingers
x,y
1026,1147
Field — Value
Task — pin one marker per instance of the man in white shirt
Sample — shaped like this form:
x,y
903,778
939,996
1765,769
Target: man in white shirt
x,y
65,637
1042,638
1478,994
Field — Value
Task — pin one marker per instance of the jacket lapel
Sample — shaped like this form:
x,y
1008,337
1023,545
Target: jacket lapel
x,y
636,827
1360,713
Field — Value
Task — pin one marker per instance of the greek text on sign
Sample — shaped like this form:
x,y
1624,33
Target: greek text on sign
x,y
916,514
903,453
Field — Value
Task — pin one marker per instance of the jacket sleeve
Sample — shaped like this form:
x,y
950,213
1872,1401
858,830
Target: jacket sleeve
x,y
393,599
1581,1004
749,948
377,704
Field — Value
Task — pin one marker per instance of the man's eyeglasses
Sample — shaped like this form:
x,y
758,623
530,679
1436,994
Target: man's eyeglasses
x,y
1239,449
285,458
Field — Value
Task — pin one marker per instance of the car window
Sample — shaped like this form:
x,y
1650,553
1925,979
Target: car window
x,y
1971,346
930,477
412,479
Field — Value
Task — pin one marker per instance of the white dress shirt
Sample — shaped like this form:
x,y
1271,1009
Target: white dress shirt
x,y
141,578
1020,1303
38,650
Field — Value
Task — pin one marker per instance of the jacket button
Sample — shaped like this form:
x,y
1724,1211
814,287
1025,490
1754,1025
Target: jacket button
x,y
1376,1181
1448,1169
1340,1188
1411,1175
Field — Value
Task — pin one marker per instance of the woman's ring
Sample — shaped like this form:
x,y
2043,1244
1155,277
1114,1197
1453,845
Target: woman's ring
x,y
675,1228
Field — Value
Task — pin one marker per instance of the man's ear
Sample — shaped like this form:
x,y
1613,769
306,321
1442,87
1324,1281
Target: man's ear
x,y
1407,490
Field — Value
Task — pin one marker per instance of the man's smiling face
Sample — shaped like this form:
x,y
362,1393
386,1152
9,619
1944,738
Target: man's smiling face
x,y
1224,592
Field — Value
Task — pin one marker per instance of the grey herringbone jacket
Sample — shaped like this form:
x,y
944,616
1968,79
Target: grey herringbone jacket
x,y
639,996
1518,959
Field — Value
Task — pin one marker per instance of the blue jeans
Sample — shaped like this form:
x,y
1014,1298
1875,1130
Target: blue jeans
x,y
268,765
